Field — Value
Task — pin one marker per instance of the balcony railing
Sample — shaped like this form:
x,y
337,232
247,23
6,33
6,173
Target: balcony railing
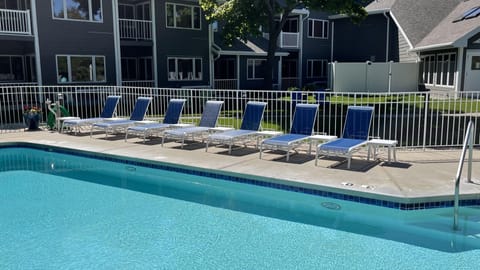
x,y
15,22
225,83
288,82
289,40
139,83
135,29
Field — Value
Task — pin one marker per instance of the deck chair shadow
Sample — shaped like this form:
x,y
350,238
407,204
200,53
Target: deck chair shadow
x,y
300,131
108,111
119,125
171,119
209,119
251,122
355,135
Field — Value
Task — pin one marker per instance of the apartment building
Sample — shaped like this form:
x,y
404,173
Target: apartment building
x,y
101,42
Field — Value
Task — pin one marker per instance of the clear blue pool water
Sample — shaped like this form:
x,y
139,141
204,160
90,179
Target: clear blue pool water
x,y
59,211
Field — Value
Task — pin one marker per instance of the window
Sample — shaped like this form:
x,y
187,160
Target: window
x,y
225,68
439,69
289,68
469,14
183,16
316,68
80,68
291,25
475,63
256,69
82,10
317,28
11,68
184,69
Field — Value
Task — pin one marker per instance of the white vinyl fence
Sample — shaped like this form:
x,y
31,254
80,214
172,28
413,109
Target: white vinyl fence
x,y
371,77
416,120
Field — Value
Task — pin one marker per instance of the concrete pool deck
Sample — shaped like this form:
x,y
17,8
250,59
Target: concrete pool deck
x,y
417,176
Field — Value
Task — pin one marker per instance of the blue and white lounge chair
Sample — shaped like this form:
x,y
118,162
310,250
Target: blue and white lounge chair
x,y
208,120
172,116
251,122
355,135
301,130
138,114
108,112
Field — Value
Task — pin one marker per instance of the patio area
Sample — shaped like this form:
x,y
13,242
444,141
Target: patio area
x,y
417,176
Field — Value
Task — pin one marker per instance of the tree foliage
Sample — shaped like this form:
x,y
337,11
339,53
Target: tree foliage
x,y
244,18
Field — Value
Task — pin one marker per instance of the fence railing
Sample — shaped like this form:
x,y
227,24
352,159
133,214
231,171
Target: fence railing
x,y
415,120
15,22
135,29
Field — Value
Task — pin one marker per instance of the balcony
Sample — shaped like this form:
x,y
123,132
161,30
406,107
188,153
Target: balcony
x,y
289,40
15,22
135,29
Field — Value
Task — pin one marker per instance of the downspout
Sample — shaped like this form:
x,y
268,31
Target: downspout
x,y
154,38
116,41
388,36
331,45
38,65
210,56
300,53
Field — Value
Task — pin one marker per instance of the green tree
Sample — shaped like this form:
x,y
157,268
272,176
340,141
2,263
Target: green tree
x,y
244,18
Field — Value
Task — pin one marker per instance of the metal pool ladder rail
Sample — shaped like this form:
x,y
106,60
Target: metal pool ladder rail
x,y
467,141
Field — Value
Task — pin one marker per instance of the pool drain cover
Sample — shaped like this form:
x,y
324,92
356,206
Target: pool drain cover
x,y
331,205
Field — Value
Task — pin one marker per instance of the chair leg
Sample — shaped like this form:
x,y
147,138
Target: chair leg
x,y
206,145
349,162
316,157
261,149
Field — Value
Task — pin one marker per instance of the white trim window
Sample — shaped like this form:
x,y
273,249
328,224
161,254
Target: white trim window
x,y
78,10
184,68
80,68
317,28
317,68
256,69
439,69
183,16
446,66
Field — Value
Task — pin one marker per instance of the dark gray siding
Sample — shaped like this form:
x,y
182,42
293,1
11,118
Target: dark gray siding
x,y
314,48
361,42
74,38
173,42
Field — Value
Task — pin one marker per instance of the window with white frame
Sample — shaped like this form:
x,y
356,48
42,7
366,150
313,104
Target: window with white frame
x,y
82,10
317,28
184,69
80,68
183,16
317,68
439,69
256,69
445,69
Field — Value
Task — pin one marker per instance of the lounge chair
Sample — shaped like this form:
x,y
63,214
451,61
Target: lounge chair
x,y
108,112
302,128
251,122
172,116
138,114
355,135
208,121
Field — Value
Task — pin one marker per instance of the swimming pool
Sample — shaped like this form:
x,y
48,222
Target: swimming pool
x,y
71,211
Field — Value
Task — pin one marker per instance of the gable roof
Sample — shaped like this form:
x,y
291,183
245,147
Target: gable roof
x,y
417,18
450,33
